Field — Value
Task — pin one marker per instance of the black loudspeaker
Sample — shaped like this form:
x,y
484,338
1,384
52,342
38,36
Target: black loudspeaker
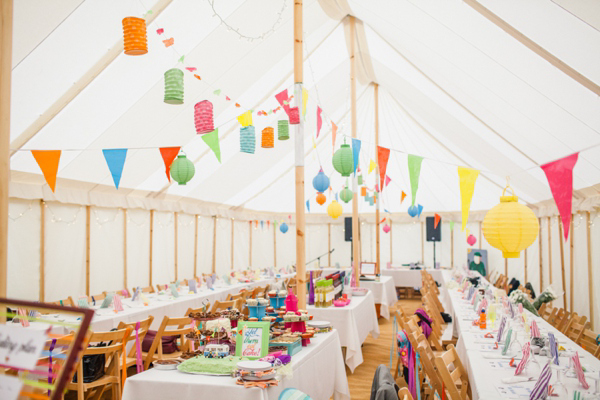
x,y
348,229
433,234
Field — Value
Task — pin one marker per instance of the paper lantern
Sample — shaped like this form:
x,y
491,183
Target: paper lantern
x,y
510,227
283,227
359,179
321,181
471,240
363,191
334,209
247,139
182,169
174,86
346,195
343,160
321,199
135,42
386,228
268,138
294,116
283,129
203,116
413,211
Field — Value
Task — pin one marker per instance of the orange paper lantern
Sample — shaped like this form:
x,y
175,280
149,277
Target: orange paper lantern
x,y
321,198
134,36
268,138
363,191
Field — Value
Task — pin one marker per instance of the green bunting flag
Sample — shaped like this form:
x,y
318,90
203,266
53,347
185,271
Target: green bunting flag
x,y
414,170
212,141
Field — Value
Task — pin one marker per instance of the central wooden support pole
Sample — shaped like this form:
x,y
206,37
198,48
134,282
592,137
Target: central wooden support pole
x,y
151,245
562,261
355,223
540,256
299,158
590,273
377,230
42,251
214,252
125,248
175,229
6,23
87,249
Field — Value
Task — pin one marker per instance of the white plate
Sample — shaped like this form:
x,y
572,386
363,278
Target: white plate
x,y
262,378
319,324
165,366
254,365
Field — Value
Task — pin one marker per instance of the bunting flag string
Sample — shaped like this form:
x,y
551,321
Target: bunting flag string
x,y
436,220
319,121
560,178
414,170
355,152
212,141
168,155
383,154
372,166
48,162
333,133
115,159
467,178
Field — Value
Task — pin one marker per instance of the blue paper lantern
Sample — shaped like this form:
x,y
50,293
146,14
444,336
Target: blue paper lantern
x,y
413,211
321,182
283,228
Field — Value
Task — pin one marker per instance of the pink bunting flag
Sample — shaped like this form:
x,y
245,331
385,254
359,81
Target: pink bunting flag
x,y
524,359
535,331
387,180
283,99
191,69
160,31
319,120
579,371
560,178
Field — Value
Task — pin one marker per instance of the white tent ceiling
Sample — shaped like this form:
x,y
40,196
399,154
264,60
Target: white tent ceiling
x,y
454,88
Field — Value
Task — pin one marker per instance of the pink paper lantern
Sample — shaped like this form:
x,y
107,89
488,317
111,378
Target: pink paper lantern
x,y
386,228
294,116
203,117
471,240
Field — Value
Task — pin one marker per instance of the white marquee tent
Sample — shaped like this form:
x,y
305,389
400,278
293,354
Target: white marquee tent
x,y
455,87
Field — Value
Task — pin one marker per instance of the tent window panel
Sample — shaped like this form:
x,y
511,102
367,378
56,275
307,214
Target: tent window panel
x,y
223,260
138,248
241,242
286,246
163,248
185,246
106,250
205,244
343,249
316,244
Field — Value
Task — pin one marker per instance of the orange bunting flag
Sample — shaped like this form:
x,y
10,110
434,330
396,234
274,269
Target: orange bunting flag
x,y
168,155
382,221
197,77
169,42
383,154
48,162
403,196
237,105
437,221
333,133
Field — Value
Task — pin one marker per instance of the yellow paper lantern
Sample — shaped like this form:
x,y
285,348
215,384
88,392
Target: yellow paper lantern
x,y
510,227
334,209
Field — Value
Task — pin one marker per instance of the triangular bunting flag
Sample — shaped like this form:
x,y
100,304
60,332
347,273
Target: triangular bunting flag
x,y
308,205
48,162
414,170
436,221
115,159
212,140
420,210
383,154
282,98
333,133
245,119
168,155
319,120
372,166
355,152
402,197
387,180
560,177
305,103
217,92
467,180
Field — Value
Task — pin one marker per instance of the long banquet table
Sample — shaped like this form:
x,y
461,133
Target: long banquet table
x,y
384,293
353,322
406,277
318,370
486,373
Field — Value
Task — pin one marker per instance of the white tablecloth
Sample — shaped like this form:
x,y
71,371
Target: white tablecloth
x,y
384,292
485,374
353,322
318,371
405,277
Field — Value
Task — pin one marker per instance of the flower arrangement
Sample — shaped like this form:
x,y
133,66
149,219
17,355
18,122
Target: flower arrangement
x,y
517,296
546,296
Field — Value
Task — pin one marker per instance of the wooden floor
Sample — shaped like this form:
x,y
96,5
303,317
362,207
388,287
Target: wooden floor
x,y
376,352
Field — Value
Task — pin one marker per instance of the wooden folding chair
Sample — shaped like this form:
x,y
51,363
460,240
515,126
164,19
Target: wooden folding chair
x,y
160,287
562,319
147,289
575,327
196,310
237,296
458,375
182,328
145,325
545,311
589,343
68,302
404,394
112,376
427,357
97,298
223,305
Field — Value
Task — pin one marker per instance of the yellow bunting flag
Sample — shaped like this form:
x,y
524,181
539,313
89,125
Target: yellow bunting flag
x,y
467,176
48,162
372,166
245,119
304,101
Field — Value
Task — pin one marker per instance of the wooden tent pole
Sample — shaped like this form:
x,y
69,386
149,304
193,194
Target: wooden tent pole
x,y
562,261
6,28
175,228
250,245
329,244
214,252
355,226
506,267
125,248
232,246
571,265
590,273
377,230
87,249
299,158
550,250
525,266
42,251
540,256
151,245
195,246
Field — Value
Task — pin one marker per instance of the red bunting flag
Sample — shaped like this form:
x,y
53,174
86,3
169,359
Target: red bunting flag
x,y
560,177
168,155
48,161
387,180
383,154
319,121
437,221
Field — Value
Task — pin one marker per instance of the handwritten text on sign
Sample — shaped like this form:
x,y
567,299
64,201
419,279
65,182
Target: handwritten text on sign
x,y
251,346
20,347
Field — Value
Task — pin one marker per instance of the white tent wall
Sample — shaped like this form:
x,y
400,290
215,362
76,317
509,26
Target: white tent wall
x,y
223,255
106,250
138,248
286,244
205,244
367,241
343,249
316,244
163,248
185,246
262,246
24,249
406,240
241,240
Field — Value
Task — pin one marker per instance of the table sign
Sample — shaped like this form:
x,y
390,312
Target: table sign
x,y
501,329
526,352
107,300
192,285
82,302
144,299
20,348
252,339
540,390
10,387
579,371
553,348
136,294
174,291
118,305
507,342
514,391
227,279
209,282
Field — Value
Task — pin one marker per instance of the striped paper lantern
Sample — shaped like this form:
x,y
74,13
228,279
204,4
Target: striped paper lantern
x,y
247,139
268,138
203,117
283,129
135,42
294,116
174,86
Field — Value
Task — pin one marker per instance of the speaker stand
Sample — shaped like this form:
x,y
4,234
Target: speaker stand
x,y
434,264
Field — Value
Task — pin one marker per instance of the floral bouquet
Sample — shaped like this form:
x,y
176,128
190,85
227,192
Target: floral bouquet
x,y
517,296
546,296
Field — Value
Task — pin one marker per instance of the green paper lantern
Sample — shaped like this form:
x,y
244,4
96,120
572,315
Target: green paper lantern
x,y
360,179
182,169
283,129
343,160
174,86
346,195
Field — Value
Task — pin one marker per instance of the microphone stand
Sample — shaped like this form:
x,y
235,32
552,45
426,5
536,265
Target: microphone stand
x,y
318,259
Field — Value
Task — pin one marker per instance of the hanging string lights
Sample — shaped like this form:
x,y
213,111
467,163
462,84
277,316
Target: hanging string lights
x,y
174,86
135,42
